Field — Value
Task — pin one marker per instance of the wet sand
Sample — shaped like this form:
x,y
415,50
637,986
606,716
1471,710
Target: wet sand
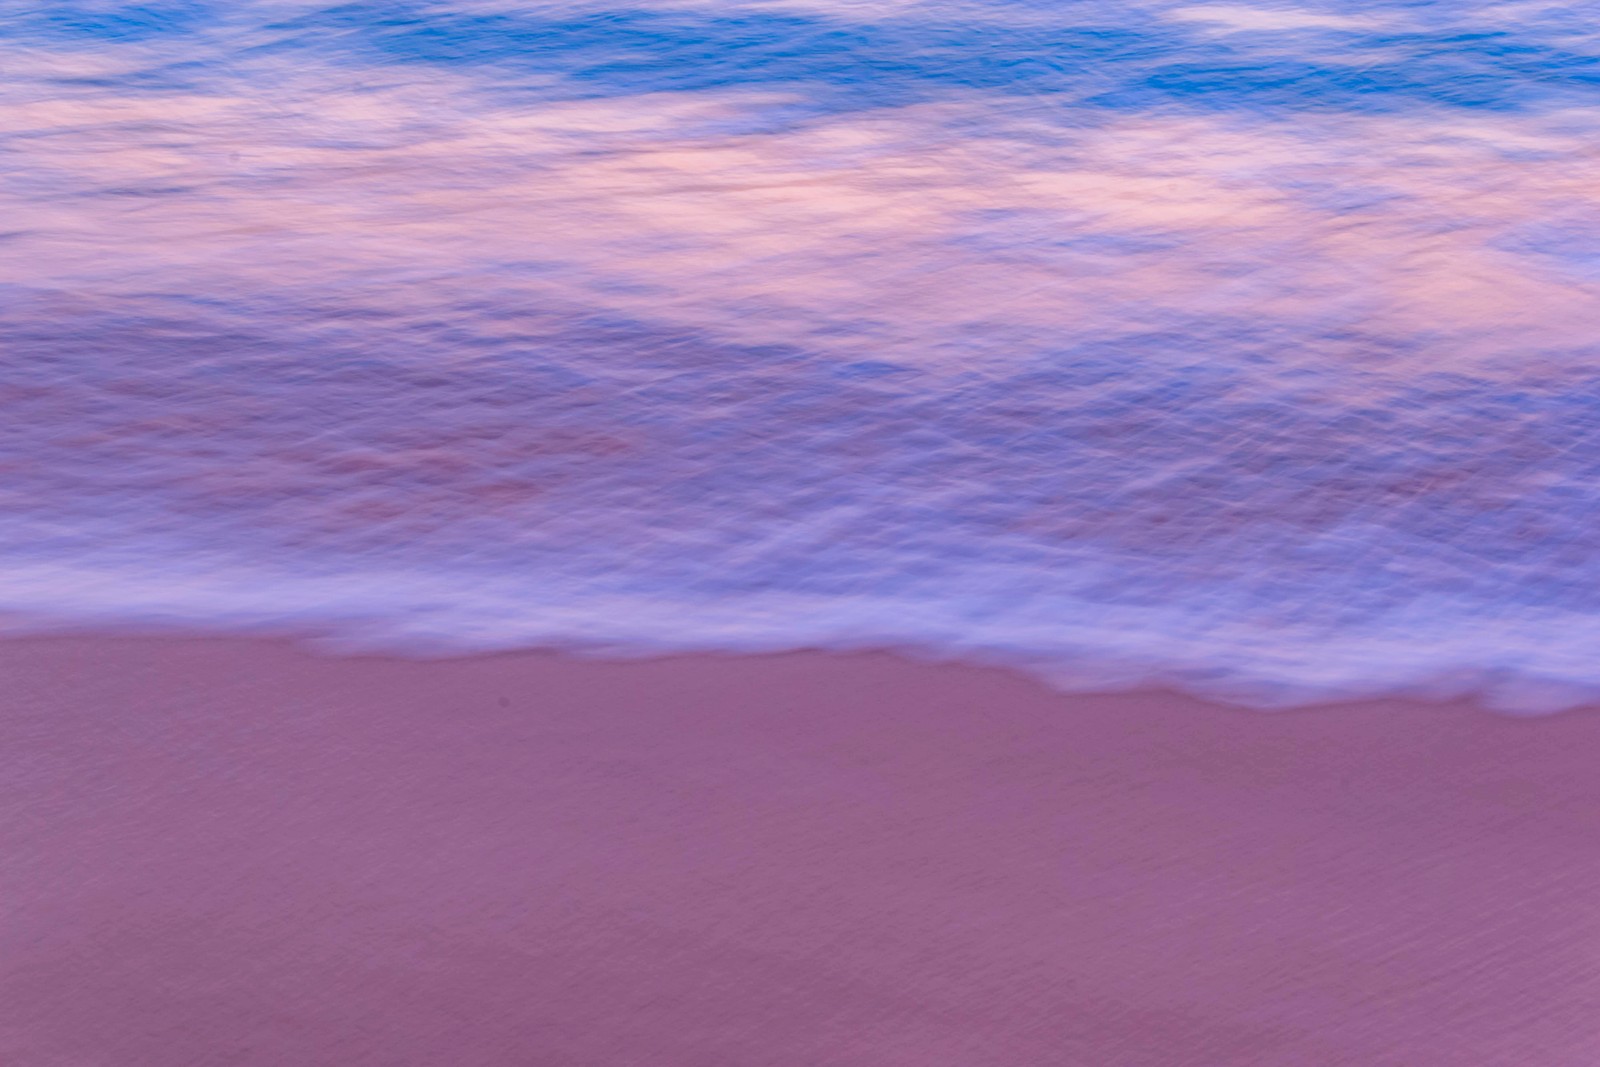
x,y
229,851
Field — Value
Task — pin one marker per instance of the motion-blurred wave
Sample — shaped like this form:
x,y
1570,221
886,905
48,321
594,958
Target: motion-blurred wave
x,y
1243,347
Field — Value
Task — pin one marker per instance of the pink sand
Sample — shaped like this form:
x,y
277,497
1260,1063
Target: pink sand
x,y
235,852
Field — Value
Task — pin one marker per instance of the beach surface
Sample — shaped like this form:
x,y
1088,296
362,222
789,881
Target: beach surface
x,y
243,852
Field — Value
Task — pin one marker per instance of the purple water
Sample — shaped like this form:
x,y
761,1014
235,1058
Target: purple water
x,y
1245,348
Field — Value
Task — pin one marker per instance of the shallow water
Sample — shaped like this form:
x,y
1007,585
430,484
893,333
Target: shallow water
x,y
1247,348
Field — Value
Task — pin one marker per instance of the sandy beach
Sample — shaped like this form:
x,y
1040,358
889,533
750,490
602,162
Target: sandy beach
x,y
238,851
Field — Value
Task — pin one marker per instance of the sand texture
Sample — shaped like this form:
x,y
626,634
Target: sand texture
x,y
239,852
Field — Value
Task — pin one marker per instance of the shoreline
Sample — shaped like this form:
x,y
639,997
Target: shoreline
x,y
239,850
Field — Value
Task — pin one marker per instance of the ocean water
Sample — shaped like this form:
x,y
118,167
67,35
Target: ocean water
x,y
1248,348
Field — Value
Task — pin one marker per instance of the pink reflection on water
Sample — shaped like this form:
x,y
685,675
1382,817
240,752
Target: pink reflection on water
x,y
890,232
